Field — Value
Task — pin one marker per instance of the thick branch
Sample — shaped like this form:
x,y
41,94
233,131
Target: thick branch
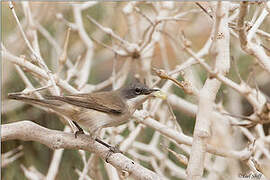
x,y
220,52
29,131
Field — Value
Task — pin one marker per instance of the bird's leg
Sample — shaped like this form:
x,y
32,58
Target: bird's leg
x,y
112,149
94,132
80,130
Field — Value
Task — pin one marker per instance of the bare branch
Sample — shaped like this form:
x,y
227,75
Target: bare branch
x,y
220,53
29,131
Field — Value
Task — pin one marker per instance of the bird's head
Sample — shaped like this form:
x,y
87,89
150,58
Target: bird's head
x,y
135,94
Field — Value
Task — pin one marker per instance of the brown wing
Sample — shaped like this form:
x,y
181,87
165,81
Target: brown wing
x,y
100,101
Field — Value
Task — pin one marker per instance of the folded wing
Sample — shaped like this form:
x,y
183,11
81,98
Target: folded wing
x,y
100,101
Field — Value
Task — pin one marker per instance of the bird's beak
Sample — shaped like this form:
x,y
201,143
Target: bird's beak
x,y
149,91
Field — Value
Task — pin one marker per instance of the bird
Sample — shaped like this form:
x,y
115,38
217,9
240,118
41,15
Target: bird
x,y
96,110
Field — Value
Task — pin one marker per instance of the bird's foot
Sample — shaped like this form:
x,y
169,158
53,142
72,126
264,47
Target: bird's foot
x,y
115,149
78,132
112,150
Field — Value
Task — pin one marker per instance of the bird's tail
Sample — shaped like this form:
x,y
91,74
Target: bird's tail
x,y
51,104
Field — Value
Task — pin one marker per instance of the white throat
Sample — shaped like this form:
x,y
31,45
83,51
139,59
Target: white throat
x,y
134,103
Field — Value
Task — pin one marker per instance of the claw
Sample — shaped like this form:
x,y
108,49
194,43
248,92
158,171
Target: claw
x,y
112,149
80,130
77,133
107,156
115,149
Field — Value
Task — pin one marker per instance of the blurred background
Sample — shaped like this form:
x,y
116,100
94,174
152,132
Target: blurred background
x,y
52,20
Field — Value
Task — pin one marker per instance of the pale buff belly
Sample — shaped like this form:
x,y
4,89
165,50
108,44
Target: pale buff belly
x,y
94,120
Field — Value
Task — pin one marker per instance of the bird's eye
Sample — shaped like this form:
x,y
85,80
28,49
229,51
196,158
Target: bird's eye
x,y
138,91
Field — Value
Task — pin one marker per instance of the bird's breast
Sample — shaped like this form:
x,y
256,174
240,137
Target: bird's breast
x,y
93,119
